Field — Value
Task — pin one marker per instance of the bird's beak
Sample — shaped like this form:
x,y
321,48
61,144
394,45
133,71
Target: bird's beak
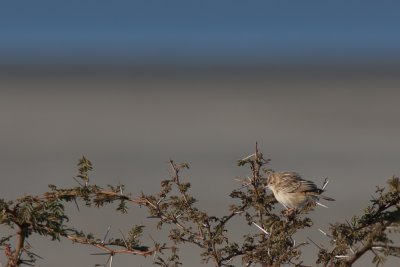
x,y
268,184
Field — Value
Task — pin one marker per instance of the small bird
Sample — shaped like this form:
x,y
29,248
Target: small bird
x,y
294,192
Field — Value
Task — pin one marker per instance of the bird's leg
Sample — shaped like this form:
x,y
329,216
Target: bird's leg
x,y
289,212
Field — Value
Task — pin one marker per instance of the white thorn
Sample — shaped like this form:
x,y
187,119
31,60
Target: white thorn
x,y
324,233
262,229
322,205
249,156
123,238
111,259
105,236
342,256
325,183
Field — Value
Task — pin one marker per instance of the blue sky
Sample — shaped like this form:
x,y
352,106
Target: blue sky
x,y
199,31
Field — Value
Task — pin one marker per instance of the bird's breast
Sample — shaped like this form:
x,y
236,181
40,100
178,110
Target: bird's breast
x,y
291,200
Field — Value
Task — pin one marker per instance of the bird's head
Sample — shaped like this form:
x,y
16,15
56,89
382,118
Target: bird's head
x,y
271,181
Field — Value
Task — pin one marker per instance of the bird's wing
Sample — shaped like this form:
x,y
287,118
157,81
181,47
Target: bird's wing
x,y
292,182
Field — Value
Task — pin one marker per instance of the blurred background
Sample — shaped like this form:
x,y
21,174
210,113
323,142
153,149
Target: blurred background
x,y
132,84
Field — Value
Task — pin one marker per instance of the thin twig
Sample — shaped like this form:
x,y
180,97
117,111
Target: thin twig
x,y
314,243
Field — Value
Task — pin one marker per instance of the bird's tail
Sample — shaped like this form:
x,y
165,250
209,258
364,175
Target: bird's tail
x,y
326,198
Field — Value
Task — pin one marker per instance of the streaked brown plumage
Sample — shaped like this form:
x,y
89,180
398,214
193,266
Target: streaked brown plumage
x,y
292,191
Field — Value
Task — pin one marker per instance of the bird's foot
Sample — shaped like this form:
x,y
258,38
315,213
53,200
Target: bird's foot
x,y
289,213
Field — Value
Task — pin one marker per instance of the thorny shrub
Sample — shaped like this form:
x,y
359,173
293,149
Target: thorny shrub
x,y
175,210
